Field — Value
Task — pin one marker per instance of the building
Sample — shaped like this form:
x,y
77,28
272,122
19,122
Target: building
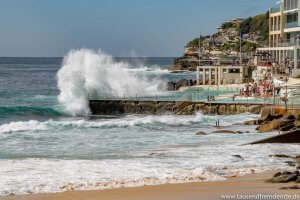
x,y
284,33
220,75
226,70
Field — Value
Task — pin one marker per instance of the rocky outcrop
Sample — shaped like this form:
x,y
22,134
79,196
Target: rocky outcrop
x,y
187,62
277,119
172,86
289,137
276,124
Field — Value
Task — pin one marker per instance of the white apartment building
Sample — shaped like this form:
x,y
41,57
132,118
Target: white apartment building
x,y
284,35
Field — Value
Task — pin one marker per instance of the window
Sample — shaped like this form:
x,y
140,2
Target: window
x,y
290,4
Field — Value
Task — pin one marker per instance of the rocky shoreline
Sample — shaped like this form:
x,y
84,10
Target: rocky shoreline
x,y
277,119
286,122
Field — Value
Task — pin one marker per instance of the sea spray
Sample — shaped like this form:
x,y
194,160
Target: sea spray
x,y
87,73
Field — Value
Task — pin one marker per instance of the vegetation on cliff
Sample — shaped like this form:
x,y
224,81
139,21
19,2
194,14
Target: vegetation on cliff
x,y
255,32
258,24
226,42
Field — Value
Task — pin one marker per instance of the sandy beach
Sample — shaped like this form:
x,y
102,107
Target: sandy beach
x,y
246,185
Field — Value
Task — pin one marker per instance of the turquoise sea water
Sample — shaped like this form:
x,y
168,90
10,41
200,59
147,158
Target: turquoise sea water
x,y
48,145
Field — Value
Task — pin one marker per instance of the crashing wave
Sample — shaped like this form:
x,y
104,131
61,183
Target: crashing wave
x,y
86,73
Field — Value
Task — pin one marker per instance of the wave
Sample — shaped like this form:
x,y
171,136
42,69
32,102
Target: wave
x,y
149,121
70,175
31,125
29,111
86,73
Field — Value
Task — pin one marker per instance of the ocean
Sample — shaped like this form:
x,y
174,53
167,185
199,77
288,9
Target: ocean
x,y
49,142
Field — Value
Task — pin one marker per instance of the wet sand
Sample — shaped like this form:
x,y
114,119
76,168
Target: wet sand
x,y
245,185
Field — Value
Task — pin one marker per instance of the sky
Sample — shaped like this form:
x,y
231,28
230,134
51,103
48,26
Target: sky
x,y
158,28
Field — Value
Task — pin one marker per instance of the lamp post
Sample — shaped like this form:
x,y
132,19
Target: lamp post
x,y
200,50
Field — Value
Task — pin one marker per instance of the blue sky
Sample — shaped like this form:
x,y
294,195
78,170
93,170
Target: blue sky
x,y
119,27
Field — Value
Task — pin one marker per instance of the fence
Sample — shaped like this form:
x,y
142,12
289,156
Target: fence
x,y
212,96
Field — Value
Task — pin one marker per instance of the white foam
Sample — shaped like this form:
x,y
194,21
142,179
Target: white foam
x,y
48,176
88,73
174,157
128,121
31,125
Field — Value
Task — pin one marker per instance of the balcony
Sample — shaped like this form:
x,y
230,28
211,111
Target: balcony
x,y
291,24
275,9
287,43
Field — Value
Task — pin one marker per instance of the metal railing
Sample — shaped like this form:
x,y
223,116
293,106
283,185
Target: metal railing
x,y
275,9
286,43
291,24
202,97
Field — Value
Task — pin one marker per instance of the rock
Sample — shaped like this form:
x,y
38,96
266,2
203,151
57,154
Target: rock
x,y
290,163
277,116
182,83
297,124
285,177
265,118
277,174
295,187
201,133
287,127
286,173
273,125
228,131
297,159
171,86
155,154
187,62
251,122
238,124
280,156
296,172
298,180
290,117
238,156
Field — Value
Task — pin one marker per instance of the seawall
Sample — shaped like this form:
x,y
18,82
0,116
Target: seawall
x,y
111,107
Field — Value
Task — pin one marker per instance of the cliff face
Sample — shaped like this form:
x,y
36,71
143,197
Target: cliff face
x,y
226,42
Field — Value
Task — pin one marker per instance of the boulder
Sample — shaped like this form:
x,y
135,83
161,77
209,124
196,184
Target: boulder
x,y
297,159
228,131
284,177
251,122
239,157
201,133
277,174
297,124
290,117
182,83
290,163
265,118
170,86
273,125
280,156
